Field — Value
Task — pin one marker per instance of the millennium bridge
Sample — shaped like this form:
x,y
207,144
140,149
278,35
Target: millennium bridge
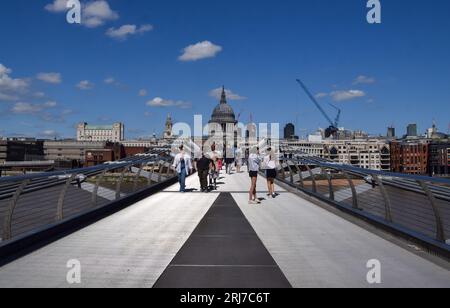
x,y
128,226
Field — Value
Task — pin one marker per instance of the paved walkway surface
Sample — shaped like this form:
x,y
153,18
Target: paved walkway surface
x,y
223,251
162,240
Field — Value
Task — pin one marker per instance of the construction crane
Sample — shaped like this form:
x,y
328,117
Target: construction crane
x,y
338,117
333,129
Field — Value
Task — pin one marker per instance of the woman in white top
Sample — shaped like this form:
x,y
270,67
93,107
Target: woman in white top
x,y
254,163
271,172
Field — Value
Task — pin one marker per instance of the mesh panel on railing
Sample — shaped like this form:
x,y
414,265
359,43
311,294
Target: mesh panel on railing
x,y
412,210
49,198
35,209
444,209
401,199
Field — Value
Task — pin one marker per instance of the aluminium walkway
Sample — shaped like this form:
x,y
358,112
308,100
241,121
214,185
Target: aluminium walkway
x,y
218,240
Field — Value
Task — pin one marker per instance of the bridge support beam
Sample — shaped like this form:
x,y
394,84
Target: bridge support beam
x,y
119,183
7,228
62,196
95,191
136,178
354,192
330,183
440,233
387,200
299,171
313,178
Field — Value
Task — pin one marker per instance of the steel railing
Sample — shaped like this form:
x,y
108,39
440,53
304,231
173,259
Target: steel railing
x,y
418,204
34,201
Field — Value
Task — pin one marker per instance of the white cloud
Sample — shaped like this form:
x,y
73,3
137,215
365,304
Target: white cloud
x,y
85,85
124,31
339,96
97,13
321,95
110,80
8,98
39,94
4,70
363,80
27,108
11,88
94,13
58,6
143,92
200,51
49,134
160,102
217,93
53,78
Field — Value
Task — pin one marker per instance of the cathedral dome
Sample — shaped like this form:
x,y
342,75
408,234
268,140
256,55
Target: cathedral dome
x,y
223,113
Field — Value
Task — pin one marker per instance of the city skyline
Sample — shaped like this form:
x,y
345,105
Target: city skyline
x,y
137,62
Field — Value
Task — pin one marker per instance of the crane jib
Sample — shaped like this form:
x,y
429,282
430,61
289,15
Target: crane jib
x,y
333,125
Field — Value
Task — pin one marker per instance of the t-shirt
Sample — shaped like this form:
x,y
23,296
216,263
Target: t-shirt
x,y
203,164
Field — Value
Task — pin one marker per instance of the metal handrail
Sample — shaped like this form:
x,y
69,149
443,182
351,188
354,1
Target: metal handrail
x,y
14,188
433,189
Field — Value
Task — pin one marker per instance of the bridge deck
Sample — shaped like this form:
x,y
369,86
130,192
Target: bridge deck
x,y
137,246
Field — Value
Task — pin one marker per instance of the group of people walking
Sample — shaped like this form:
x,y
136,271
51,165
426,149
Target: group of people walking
x,y
256,162
210,165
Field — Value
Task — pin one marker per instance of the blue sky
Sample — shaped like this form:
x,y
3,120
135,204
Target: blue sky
x,y
394,73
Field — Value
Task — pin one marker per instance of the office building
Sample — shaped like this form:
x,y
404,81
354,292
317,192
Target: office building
x,y
289,131
391,133
371,154
439,158
412,130
20,150
410,157
104,133
70,150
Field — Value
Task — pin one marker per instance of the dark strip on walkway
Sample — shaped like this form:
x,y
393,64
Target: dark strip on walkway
x,y
223,252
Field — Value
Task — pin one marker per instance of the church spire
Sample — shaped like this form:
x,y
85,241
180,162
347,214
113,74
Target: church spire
x,y
223,99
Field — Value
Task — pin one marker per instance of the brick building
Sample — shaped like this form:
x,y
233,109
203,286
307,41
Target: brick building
x,y
410,157
111,152
439,158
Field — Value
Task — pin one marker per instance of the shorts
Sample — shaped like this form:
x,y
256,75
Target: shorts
x,y
253,174
271,173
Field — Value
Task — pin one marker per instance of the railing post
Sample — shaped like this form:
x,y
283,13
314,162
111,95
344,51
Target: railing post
x,y
300,175
62,196
7,227
119,183
159,171
387,200
150,178
313,178
354,192
330,183
283,171
95,191
168,169
440,233
290,172
138,175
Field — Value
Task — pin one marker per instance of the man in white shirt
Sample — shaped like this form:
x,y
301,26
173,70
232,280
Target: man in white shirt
x,y
183,166
254,164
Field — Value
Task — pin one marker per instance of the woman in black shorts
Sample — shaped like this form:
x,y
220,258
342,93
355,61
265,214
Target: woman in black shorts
x,y
271,172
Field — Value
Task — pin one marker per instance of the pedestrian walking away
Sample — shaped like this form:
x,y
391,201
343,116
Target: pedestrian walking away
x,y
204,165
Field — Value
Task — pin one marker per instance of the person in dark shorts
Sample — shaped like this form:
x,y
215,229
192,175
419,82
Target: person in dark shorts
x,y
254,164
203,166
270,165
